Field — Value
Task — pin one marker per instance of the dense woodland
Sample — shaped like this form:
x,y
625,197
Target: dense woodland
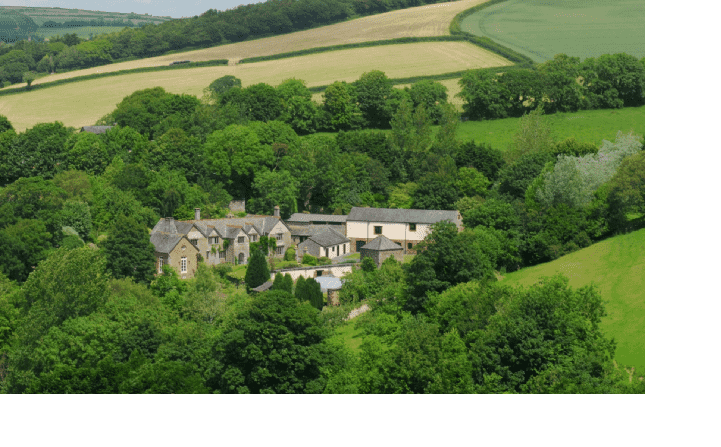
x,y
81,309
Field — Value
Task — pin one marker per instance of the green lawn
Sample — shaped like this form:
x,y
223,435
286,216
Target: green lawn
x,y
350,336
617,266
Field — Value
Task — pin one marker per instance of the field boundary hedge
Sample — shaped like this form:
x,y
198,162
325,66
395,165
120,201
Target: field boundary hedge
x,y
211,63
436,77
485,42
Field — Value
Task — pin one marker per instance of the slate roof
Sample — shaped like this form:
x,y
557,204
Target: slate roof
x,y
328,282
263,287
230,227
328,238
381,243
95,129
166,242
308,230
170,225
400,215
304,217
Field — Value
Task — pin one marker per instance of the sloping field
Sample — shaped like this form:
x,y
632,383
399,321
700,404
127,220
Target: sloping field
x,y
579,28
421,21
83,103
618,267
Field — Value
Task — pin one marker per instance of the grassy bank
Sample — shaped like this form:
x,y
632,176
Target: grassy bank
x,y
617,266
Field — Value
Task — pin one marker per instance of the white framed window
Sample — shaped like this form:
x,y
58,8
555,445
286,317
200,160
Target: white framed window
x,y
194,242
160,265
183,265
254,238
213,240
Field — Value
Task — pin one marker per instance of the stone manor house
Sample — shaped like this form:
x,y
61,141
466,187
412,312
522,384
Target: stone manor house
x,y
180,243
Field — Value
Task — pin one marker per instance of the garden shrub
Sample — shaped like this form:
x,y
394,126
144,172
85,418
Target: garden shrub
x,y
309,260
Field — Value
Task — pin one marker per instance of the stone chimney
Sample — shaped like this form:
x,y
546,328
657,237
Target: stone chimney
x,y
276,211
237,205
197,214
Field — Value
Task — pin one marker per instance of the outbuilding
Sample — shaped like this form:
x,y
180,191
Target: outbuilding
x,y
380,249
328,243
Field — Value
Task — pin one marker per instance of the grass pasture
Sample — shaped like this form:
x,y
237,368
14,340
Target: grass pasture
x,y
83,103
617,266
579,28
592,126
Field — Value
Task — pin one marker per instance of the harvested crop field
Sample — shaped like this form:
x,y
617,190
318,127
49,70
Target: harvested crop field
x,y
83,103
421,21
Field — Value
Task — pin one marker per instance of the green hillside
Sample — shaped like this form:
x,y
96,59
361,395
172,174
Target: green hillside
x,y
617,266
15,25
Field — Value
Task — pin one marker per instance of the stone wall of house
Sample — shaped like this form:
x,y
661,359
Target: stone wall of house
x,y
307,247
186,250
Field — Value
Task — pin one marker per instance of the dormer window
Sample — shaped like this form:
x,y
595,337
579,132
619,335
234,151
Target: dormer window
x,y
241,239
412,227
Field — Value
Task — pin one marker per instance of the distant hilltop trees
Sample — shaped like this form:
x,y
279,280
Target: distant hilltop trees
x,y
15,25
79,23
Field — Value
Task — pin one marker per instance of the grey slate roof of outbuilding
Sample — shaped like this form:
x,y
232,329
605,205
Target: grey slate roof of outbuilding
x,y
304,217
381,243
328,238
308,230
328,282
95,129
263,287
400,215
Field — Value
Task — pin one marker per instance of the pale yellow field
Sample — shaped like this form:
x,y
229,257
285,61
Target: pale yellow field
x,y
83,103
421,21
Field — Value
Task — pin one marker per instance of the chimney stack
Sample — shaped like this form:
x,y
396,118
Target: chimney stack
x,y
276,211
197,214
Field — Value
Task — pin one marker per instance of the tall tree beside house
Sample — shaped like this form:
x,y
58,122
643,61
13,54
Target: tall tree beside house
x,y
279,282
288,283
257,272
129,251
315,293
300,289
